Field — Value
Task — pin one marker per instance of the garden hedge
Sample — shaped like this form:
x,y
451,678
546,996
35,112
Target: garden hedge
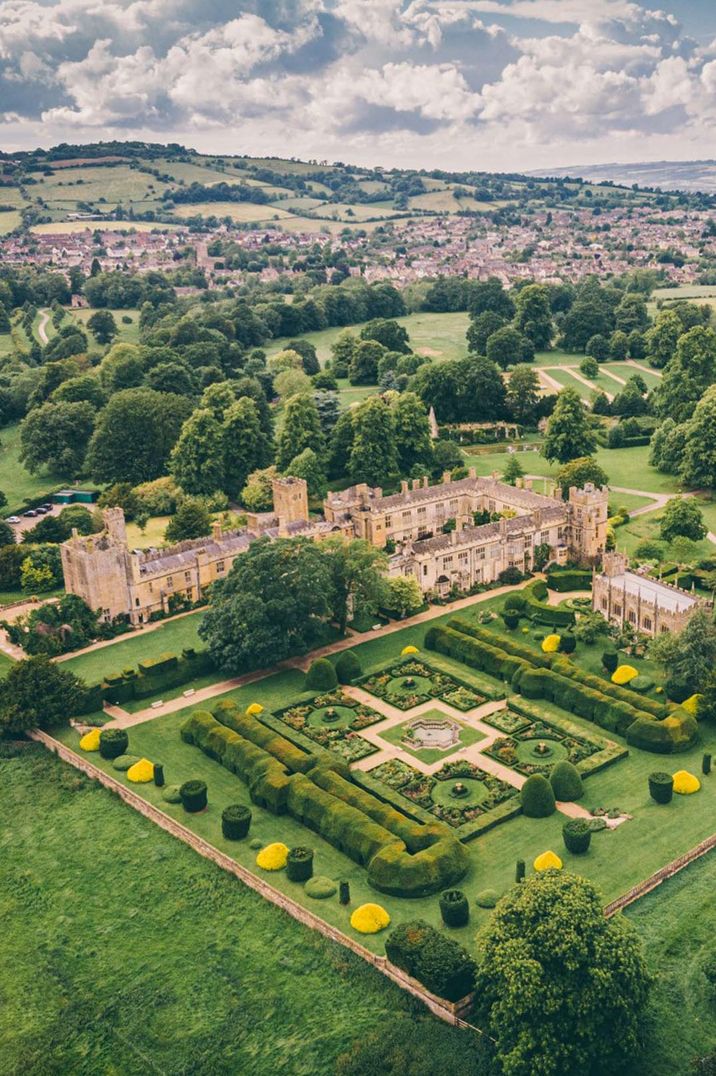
x,y
540,611
537,797
564,579
348,667
440,963
113,743
454,908
228,713
675,733
235,821
321,676
576,835
566,782
155,675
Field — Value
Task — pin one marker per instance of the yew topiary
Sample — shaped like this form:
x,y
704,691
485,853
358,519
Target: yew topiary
x,y
566,782
537,797
661,787
576,834
321,676
348,667
454,908
113,743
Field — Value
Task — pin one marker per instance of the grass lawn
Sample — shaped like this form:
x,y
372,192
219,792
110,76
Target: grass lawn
x,y
6,663
648,527
124,951
15,481
153,533
129,649
127,334
566,380
630,467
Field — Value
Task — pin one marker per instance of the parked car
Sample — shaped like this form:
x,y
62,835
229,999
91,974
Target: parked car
x,y
42,510
31,513
13,519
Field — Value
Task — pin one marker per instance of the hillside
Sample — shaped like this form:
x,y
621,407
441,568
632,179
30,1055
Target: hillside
x,y
689,176
151,183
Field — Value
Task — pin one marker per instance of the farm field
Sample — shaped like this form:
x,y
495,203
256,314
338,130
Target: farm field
x,y
181,964
71,227
240,211
9,221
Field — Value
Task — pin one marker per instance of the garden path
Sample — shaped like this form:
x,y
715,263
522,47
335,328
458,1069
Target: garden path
x,y
614,377
644,369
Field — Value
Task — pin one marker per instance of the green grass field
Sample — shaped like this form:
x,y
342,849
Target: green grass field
x,y
128,650
15,481
128,334
125,952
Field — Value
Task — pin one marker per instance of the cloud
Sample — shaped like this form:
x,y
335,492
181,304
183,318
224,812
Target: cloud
x,y
426,82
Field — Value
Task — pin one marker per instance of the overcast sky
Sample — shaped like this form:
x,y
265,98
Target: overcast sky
x,y
492,84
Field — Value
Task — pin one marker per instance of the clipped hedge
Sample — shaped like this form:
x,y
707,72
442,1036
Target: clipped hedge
x,y
440,963
299,864
564,579
155,675
235,821
576,835
540,611
321,676
228,713
566,782
348,667
675,733
454,908
113,743
661,787
537,797
193,796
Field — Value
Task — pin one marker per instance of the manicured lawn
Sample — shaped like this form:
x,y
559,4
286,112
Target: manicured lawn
x,y
648,526
127,334
129,649
152,535
630,467
15,481
126,952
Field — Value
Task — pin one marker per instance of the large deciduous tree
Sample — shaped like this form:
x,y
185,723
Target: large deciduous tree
x,y
560,988
688,656
523,394
533,317
356,570
580,471
246,446
412,432
135,435
197,459
694,456
36,693
301,428
682,518
374,457
569,435
688,374
56,436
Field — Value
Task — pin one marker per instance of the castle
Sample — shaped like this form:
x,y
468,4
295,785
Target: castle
x,y
429,529
649,605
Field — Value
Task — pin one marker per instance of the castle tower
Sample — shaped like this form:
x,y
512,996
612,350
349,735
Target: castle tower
x,y
587,512
115,525
290,500
96,567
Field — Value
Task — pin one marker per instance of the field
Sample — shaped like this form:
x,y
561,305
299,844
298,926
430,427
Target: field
x,y
9,221
70,227
241,211
127,651
123,951
15,481
127,334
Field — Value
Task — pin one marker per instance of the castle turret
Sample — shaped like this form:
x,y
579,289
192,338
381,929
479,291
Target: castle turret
x,y
587,512
290,501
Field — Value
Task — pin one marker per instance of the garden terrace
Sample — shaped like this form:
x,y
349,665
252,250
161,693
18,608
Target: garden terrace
x,y
410,683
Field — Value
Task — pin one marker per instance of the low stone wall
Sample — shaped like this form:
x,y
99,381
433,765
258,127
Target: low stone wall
x,y
450,1012
660,876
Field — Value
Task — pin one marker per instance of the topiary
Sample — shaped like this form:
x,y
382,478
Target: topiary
x,y
344,892
159,774
320,887
610,660
235,821
299,864
348,667
515,602
171,794
123,762
520,870
576,834
510,618
661,787
566,782
677,690
454,908
567,644
537,797
641,684
113,743
321,676
488,898
255,843
706,764
193,796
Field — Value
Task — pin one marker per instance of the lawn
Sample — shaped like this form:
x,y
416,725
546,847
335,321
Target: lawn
x,y
15,481
129,649
126,952
127,334
648,527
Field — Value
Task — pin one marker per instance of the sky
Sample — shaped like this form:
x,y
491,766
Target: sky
x,y
498,85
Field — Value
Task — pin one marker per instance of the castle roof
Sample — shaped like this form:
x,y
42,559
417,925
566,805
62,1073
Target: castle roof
x,y
662,595
487,532
520,498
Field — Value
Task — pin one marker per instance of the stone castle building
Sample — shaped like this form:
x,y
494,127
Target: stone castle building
x,y
430,531
649,605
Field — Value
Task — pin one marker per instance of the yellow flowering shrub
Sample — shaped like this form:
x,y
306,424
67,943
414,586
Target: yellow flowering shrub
x,y
254,709
550,645
141,772
408,650
623,674
685,783
90,740
369,919
272,857
548,861
691,705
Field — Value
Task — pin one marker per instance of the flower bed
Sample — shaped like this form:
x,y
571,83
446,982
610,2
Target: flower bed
x,y
507,721
457,794
333,721
409,683
535,746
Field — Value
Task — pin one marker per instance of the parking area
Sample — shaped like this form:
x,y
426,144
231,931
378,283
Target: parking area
x,y
26,523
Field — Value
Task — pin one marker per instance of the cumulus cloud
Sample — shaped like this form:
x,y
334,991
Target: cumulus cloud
x,y
426,82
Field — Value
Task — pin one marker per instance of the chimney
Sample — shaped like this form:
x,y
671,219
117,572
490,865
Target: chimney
x,y
471,472
416,483
528,483
453,537
216,530
403,486
503,527
426,481
447,477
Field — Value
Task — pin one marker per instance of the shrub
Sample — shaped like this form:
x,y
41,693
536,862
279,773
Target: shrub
x,y
344,893
550,645
348,667
321,676
675,733
440,963
454,908
676,689
510,618
576,835
706,764
487,898
193,796
123,762
691,705
641,683
548,861
510,576
520,870
564,579
299,864
113,743
610,660
256,844
370,919
171,794
516,602
537,797
567,644
661,787
623,674
686,783
273,857
566,782
320,887
90,740
235,821
141,772
158,775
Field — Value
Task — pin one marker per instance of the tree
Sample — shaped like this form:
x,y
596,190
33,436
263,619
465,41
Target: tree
x,y
342,352
301,428
135,434
246,446
404,597
341,446
103,326
688,656
389,333
171,377
668,445
197,459
506,347
533,316
84,387
682,517
364,362
481,329
272,604
695,456
307,351
5,326
687,376
559,987
356,570
38,694
569,434
597,347
589,367
374,456
412,433
291,383
308,466
192,519
123,367
631,313
661,339
618,346
580,471
512,470
7,534
257,494
523,394
56,436
489,295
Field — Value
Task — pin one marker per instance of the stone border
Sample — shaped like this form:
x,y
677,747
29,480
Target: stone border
x,y
450,1012
651,883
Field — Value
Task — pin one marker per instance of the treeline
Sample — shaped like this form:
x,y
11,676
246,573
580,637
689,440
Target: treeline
x,y
217,192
